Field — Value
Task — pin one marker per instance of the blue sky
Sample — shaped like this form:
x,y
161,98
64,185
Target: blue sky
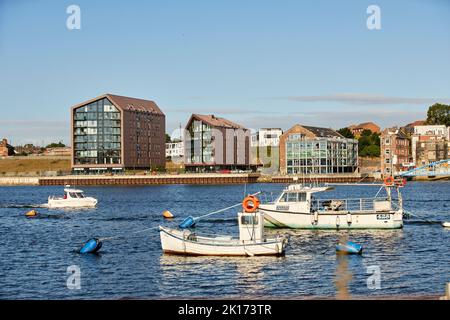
x,y
260,63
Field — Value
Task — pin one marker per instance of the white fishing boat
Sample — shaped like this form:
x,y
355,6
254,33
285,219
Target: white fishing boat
x,y
72,198
298,207
251,242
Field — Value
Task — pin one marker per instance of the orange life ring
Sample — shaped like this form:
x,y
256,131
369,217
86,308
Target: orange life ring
x,y
389,181
250,204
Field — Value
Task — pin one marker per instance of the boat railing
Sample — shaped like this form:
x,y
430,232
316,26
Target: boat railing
x,y
356,204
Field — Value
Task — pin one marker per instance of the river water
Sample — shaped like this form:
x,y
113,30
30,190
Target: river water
x,y
35,253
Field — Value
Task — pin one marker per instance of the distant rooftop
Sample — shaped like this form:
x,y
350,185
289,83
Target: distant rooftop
x,y
324,132
215,121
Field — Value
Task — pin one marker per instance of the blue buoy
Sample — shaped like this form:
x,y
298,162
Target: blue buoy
x,y
92,246
187,223
349,248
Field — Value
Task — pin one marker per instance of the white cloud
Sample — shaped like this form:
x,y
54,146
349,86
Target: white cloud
x,y
364,99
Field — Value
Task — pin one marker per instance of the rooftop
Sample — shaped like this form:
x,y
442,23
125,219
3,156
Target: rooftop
x,y
324,132
127,103
214,121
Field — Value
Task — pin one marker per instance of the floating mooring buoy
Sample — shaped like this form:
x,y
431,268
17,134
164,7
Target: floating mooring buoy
x,y
187,223
92,246
31,213
167,214
349,248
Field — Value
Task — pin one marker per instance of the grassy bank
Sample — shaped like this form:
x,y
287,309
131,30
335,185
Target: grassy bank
x,y
33,165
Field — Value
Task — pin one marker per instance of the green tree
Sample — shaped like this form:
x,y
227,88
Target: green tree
x,y
370,151
56,145
439,114
168,139
347,133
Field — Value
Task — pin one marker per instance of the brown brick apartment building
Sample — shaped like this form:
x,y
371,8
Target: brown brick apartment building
x,y
5,148
214,144
111,133
359,128
395,151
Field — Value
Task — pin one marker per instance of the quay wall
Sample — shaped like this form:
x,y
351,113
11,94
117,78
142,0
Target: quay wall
x,y
195,178
19,181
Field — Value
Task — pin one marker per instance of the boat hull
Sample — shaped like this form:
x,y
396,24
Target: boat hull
x,y
173,242
69,203
345,220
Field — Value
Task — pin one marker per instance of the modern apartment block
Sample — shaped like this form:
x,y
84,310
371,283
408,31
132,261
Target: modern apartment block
x,y
430,143
215,144
314,150
111,133
395,152
266,137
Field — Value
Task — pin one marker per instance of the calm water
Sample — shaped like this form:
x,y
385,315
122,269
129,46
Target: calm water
x,y
35,253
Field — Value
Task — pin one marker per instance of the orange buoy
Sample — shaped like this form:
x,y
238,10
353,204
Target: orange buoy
x,y
31,213
250,204
389,181
167,214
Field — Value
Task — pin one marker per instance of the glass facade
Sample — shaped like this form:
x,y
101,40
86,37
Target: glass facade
x,y
320,155
97,133
202,143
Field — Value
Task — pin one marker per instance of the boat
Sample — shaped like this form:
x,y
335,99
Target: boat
x,y
446,224
298,207
73,198
252,240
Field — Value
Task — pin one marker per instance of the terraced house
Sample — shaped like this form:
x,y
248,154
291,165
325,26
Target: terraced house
x,y
111,133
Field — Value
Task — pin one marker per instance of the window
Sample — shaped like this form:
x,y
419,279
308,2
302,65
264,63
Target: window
x,y
292,197
246,220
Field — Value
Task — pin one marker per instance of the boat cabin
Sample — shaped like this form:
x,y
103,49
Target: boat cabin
x,y
70,193
251,226
299,196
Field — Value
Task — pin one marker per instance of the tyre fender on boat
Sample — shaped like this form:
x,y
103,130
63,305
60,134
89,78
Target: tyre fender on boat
x,y
349,218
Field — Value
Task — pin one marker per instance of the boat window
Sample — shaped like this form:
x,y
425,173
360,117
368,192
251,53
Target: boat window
x,y
283,197
292,197
80,195
73,194
302,197
249,220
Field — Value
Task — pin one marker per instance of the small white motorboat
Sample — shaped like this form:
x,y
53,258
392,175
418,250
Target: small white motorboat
x,y
446,224
251,242
73,198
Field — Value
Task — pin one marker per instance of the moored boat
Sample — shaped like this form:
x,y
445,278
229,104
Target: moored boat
x,y
252,240
297,207
72,198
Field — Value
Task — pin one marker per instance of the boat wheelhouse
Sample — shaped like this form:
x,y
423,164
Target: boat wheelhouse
x,y
298,207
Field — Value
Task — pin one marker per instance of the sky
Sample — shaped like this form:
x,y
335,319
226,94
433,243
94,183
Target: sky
x,y
259,63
